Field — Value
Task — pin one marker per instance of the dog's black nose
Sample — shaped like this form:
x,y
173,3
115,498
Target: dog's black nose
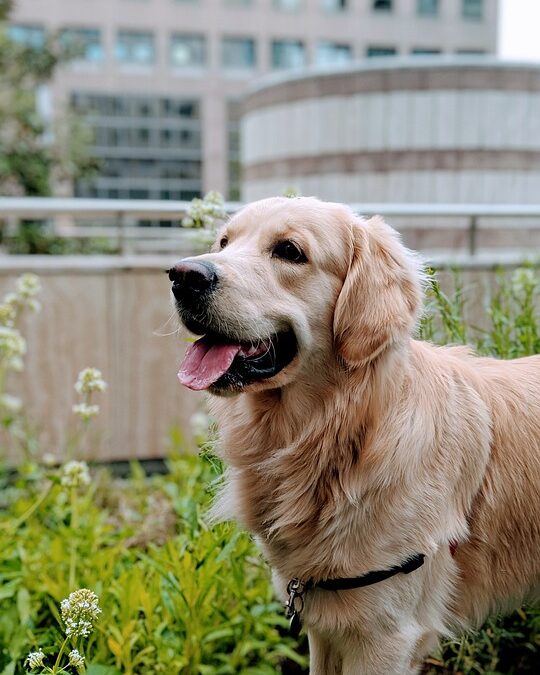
x,y
191,278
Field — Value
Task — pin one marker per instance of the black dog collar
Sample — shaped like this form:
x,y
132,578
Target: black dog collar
x,y
296,588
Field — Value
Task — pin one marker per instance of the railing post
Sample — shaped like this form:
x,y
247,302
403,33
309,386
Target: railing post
x,y
473,231
121,220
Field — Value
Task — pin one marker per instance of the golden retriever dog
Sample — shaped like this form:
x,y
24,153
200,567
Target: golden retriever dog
x,y
354,449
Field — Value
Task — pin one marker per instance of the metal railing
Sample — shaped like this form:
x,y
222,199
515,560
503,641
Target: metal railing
x,y
470,217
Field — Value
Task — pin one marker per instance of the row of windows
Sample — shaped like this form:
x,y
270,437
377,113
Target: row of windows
x,y
470,9
190,51
136,106
87,189
151,168
144,137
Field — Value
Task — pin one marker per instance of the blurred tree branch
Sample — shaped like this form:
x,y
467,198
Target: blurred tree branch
x,y
34,156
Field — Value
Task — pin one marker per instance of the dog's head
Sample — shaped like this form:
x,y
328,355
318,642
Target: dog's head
x,y
290,288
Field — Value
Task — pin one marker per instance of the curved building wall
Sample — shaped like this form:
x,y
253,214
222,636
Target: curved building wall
x,y
465,131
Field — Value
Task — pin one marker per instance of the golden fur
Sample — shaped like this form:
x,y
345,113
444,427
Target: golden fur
x,y
371,446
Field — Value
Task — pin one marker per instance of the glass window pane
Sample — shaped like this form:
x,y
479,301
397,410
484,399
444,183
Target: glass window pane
x,y
473,9
27,36
135,47
332,54
288,4
382,5
288,54
238,53
83,43
425,50
428,7
188,51
381,51
334,5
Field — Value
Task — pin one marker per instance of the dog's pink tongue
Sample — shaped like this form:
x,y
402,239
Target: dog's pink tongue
x,y
205,363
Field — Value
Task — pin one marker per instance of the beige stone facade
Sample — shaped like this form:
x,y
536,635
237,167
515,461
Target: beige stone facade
x,y
447,132
208,52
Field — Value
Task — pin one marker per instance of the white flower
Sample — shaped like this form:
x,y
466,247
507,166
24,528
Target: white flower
x,y
79,612
10,404
28,285
12,348
8,314
49,459
89,380
76,659
75,474
85,411
203,212
523,280
35,659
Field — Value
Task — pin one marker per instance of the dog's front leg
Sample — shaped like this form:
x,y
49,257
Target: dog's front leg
x,y
324,658
378,655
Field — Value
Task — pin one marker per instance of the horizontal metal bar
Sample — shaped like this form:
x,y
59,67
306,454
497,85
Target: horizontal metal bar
x,y
28,207
49,206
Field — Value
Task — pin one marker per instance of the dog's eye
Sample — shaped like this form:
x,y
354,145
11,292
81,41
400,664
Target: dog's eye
x,y
289,251
223,242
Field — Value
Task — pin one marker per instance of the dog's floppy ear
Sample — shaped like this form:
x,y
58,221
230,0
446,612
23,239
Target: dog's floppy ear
x,y
381,295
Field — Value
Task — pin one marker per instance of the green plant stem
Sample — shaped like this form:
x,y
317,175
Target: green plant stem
x,y
57,662
74,525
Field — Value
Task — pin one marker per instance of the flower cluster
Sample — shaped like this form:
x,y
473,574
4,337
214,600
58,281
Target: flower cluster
x,y
202,213
79,612
26,289
76,659
75,474
524,281
12,348
35,659
10,404
12,343
85,411
90,380
8,314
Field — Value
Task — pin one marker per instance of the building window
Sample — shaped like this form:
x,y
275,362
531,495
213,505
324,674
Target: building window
x,y
135,47
290,5
83,44
27,36
427,7
425,50
288,54
382,5
381,51
335,5
188,51
238,53
333,54
473,9
146,145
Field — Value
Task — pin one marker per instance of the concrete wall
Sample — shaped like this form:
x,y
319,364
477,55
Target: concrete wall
x,y
114,314
436,132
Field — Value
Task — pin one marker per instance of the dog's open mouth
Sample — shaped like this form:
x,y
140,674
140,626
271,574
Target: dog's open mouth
x,y
218,363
